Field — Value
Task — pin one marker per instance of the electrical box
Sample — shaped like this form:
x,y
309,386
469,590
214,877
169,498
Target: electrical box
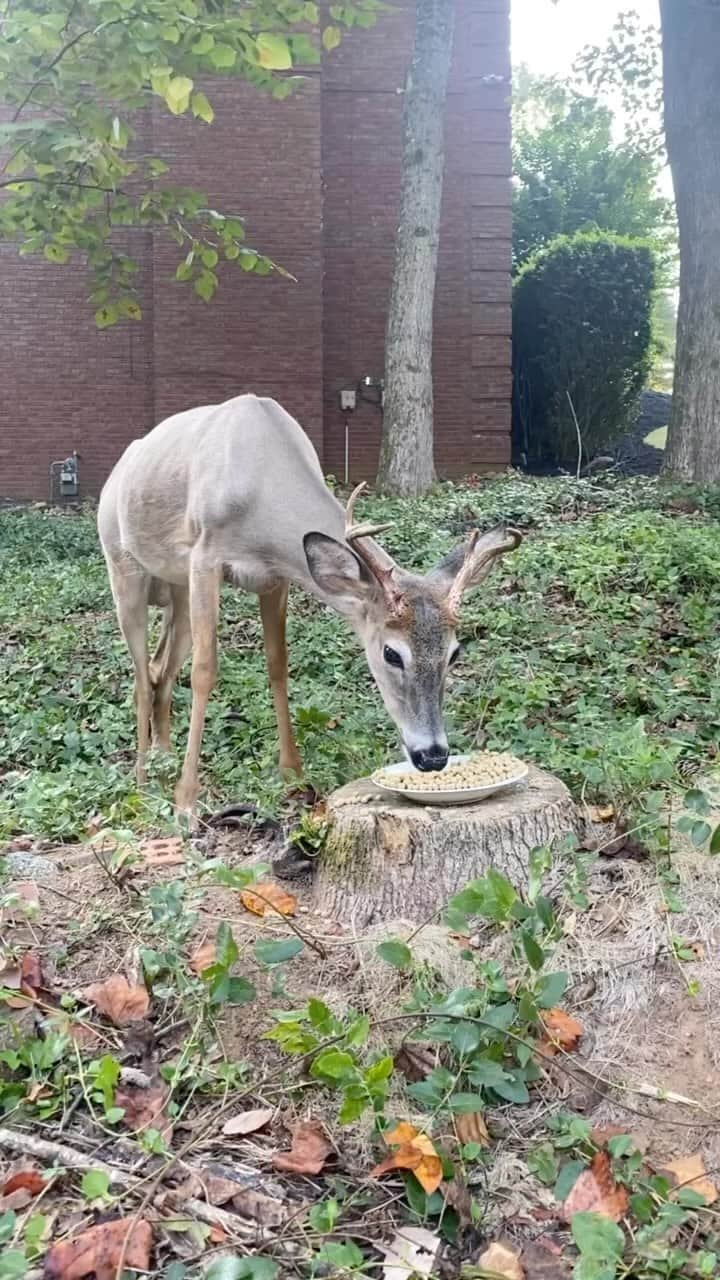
x,y
348,400
69,478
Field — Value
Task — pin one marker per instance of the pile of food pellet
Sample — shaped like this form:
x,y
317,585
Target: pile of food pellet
x,y
480,770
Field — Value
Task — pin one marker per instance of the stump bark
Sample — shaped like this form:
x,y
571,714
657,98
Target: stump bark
x,y
388,857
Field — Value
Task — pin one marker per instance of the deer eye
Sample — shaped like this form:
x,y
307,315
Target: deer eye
x,y
392,657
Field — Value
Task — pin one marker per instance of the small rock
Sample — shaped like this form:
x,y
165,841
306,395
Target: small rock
x,y
29,866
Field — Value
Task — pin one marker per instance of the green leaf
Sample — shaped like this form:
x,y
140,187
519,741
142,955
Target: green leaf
x,y
184,271
242,1269
95,1184
240,991
380,1070
277,952
466,1038
273,52
8,1221
346,1255
204,43
332,1065
226,949
56,253
544,1163
13,1265
331,38
533,951
209,258
551,989
597,1237
106,1076
201,108
701,831
114,1115
177,94
715,841
396,953
323,1216
353,1107
567,1177
697,801
106,316
205,285
223,56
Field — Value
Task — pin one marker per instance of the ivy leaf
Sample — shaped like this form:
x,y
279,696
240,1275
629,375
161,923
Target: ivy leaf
x,y
95,1184
201,108
332,1065
715,841
223,56
330,38
597,1237
396,953
177,94
273,52
533,951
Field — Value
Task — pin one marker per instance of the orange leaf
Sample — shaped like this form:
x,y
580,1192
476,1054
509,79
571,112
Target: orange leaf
x,y
470,1127
118,1000
561,1031
164,851
596,1192
268,899
310,1149
203,958
98,1251
415,1151
28,1177
689,1171
145,1108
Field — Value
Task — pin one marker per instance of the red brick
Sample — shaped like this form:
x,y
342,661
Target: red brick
x,y
491,350
491,317
490,286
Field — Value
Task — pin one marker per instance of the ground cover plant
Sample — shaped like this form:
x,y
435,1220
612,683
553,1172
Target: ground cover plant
x,y
200,1075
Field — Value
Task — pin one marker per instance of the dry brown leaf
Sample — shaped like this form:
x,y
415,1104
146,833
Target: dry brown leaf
x,y
247,1122
145,1108
25,978
595,1191
203,958
164,851
470,1127
29,1177
561,1031
18,1199
690,1171
502,1260
543,1260
415,1062
309,1151
414,1151
457,1196
601,812
269,899
28,893
412,1253
119,1001
98,1251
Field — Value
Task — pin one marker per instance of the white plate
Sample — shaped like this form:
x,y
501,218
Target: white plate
x,y
465,795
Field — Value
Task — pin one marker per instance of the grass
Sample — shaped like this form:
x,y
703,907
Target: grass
x,y
592,653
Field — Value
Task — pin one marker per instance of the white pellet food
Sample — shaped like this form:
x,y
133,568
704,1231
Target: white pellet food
x,y
480,770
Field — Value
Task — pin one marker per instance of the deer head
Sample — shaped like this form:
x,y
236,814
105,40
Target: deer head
x,y
407,622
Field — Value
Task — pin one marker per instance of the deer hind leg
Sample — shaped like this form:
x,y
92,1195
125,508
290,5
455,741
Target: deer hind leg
x,y
173,648
131,589
273,611
204,606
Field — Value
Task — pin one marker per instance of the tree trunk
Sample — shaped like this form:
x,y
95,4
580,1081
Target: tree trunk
x,y
406,456
387,858
691,73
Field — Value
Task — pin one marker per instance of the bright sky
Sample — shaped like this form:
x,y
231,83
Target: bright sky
x,y
548,36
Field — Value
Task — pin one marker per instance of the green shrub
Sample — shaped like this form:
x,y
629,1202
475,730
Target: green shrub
x,y
582,312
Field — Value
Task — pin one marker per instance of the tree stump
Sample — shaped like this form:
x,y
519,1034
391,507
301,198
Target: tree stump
x,y
387,857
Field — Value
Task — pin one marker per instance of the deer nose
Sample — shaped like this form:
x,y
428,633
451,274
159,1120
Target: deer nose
x,y
430,759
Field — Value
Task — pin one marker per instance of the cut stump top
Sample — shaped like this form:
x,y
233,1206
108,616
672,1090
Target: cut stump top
x,y
388,857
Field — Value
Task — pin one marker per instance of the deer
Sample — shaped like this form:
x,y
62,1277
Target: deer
x,y
234,492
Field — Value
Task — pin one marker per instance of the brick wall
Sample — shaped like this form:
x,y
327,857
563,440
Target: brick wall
x,y
316,179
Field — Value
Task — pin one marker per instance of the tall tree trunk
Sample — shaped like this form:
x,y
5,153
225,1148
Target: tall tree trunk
x,y
691,73
406,456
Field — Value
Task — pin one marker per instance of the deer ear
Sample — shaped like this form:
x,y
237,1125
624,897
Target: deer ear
x,y
336,571
468,564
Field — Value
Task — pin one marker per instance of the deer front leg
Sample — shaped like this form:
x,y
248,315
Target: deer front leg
x,y
204,609
273,611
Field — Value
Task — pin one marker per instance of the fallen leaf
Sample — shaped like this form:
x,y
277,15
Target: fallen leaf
x,y
603,1133
203,958
309,1151
414,1151
543,1263
217,1235
164,851
690,1171
274,900
27,891
18,1199
458,1197
247,1122
502,1260
26,978
120,1002
98,1251
601,812
561,1031
470,1127
596,1192
412,1252
415,1062
145,1108
29,1177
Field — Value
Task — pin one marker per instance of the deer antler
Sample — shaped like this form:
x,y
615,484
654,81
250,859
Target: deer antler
x,y
472,566
376,560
